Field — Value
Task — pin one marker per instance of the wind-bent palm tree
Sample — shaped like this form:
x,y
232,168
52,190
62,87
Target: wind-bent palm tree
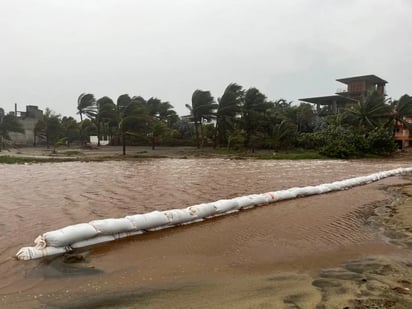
x,y
202,109
167,114
86,105
106,114
123,101
253,114
133,117
369,113
163,117
128,110
228,109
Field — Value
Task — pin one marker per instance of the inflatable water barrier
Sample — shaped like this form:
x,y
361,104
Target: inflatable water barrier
x,y
99,231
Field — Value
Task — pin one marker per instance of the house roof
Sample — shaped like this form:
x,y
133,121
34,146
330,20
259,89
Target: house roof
x,y
370,78
326,100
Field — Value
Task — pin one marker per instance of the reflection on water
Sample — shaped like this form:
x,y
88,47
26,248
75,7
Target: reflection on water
x,y
41,197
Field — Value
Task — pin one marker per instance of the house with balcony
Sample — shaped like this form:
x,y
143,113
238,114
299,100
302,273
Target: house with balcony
x,y
356,87
401,134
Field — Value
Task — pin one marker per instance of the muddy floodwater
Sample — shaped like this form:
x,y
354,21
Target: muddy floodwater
x,y
228,261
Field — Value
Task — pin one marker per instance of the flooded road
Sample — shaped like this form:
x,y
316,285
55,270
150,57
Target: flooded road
x,y
300,235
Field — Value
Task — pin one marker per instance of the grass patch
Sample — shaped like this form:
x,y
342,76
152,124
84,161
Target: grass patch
x,y
19,160
24,160
142,156
72,153
267,155
293,156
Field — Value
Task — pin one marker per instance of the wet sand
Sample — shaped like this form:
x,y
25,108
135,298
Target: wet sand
x,y
383,281
371,281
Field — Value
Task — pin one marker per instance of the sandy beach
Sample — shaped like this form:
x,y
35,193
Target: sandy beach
x,y
373,281
377,281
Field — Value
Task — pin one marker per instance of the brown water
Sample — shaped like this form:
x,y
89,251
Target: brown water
x,y
301,235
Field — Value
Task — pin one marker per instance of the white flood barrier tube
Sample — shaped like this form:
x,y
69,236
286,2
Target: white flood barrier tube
x,y
99,231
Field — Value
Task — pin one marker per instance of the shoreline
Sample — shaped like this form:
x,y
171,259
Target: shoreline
x,y
106,153
371,281
102,153
377,281
382,281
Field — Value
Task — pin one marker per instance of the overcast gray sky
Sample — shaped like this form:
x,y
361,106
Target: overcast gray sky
x,y
53,50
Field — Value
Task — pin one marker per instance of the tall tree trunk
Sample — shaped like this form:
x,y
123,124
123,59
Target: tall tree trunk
x,y
197,134
98,133
82,140
124,142
201,135
215,138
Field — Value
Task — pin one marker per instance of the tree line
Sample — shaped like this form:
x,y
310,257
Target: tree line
x,y
247,119
240,119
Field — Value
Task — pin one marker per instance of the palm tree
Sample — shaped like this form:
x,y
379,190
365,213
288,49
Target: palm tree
x,y
133,117
283,134
156,120
202,109
105,116
123,103
369,113
228,110
86,105
167,114
253,114
163,117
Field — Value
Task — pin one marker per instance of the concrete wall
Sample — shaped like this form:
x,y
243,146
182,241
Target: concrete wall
x,y
28,121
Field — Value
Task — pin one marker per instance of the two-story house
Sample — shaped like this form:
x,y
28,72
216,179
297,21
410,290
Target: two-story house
x,y
357,87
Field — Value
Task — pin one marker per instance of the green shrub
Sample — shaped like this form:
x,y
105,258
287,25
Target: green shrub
x,y
380,142
237,140
341,143
313,141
